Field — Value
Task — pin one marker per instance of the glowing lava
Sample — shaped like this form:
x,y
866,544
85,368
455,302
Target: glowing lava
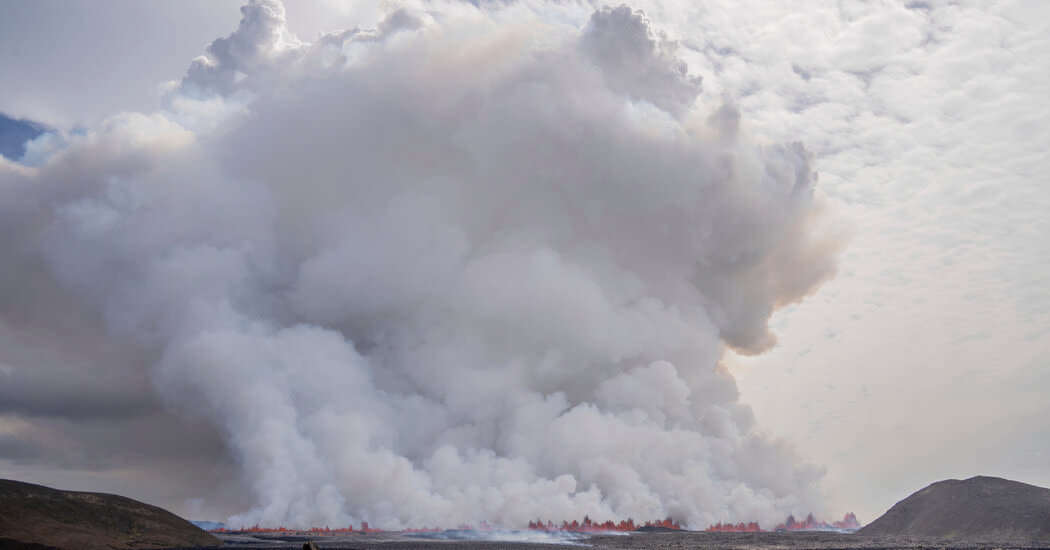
x,y
750,527
589,526
811,524
313,530
848,522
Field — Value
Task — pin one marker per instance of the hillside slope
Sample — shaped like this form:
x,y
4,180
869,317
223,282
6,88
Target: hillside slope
x,y
981,507
34,514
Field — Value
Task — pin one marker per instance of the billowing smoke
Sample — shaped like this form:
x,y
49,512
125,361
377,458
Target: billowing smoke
x,y
472,265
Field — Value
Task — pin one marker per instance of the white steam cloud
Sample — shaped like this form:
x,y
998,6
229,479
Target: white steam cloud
x,y
472,265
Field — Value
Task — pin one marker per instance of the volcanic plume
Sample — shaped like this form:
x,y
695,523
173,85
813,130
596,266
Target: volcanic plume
x,y
475,264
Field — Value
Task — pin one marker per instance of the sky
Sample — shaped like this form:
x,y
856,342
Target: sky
x,y
900,275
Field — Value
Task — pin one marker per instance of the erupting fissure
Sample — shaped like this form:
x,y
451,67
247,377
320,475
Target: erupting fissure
x,y
848,522
313,530
589,526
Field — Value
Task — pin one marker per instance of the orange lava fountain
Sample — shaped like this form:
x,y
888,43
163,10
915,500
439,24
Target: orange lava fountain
x,y
849,521
590,526
586,526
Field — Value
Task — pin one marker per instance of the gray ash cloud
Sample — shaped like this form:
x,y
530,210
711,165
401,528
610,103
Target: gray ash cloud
x,y
465,267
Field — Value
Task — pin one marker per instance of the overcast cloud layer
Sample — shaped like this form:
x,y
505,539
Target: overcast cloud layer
x,y
465,266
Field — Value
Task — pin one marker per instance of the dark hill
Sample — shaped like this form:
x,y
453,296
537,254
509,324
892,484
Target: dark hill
x,y
34,516
987,508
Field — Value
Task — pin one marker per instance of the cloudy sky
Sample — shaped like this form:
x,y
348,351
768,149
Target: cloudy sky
x,y
904,284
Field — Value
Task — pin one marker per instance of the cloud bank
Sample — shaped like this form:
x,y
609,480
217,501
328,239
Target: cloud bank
x,y
471,265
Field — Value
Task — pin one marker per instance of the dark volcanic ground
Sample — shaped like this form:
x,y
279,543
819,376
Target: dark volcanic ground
x,y
635,541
